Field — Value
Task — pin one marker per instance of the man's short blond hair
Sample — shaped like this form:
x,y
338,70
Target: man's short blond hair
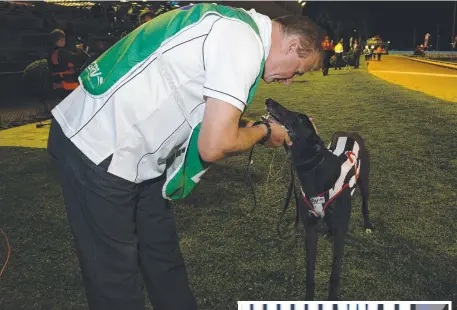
x,y
308,32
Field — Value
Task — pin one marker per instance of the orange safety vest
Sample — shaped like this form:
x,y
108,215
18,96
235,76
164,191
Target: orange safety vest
x,y
63,75
327,46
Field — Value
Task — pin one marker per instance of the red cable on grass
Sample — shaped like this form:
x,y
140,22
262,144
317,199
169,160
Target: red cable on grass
x,y
9,252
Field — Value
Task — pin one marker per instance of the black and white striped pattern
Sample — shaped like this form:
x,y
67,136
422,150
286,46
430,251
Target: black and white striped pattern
x,y
341,148
347,149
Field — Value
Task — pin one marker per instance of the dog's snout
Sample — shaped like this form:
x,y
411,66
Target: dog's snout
x,y
271,104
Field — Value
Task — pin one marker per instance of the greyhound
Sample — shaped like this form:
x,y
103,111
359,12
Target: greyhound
x,y
328,178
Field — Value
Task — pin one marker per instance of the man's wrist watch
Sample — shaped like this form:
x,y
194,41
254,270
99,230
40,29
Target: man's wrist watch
x,y
267,124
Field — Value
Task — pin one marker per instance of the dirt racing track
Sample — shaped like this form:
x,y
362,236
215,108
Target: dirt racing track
x,y
424,77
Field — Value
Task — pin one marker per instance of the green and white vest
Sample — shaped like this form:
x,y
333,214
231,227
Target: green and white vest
x,y
185,167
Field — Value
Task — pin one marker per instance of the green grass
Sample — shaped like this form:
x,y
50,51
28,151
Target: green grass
x,y
233,255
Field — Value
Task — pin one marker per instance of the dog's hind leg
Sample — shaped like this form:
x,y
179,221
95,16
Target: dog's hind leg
x,y
363,183
310,223
339,222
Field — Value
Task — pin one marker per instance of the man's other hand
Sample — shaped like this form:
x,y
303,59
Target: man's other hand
x,y
278,136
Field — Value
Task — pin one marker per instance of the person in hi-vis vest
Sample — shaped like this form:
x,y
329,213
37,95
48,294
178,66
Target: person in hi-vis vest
x,y
379,52
327,46
151,115
339,54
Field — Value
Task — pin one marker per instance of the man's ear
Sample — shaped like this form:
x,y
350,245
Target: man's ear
x,y
293,44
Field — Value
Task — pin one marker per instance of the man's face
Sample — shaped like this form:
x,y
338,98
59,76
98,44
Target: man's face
x,y
61,42
284,64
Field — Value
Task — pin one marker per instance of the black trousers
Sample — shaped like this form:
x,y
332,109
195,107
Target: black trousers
x,y
339,61
379,56
124,233
356,60
326,64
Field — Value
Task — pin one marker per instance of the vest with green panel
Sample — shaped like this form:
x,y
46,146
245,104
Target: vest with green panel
x,y
185,167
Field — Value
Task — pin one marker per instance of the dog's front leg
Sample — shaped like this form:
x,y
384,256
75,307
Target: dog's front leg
x,y
339,224
310,222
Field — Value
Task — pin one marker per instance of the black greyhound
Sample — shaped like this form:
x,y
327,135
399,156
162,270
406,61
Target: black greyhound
x,y
328,179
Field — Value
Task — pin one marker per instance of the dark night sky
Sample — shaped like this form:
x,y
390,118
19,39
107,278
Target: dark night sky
x,y
396,20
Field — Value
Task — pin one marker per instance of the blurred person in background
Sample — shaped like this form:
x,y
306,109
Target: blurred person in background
x,y
327,46
367,53
357,50
339,54
63,64
379,52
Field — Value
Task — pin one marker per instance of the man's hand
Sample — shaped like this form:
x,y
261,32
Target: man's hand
x,y
278,136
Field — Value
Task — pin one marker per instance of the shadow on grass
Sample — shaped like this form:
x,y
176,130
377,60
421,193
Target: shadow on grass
x,y
43,268
431,274
223,184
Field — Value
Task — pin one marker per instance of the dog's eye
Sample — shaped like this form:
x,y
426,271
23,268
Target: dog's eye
x,y
301,118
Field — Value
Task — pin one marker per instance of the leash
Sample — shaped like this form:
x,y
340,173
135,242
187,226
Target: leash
x,y
291,190
249,172
248,176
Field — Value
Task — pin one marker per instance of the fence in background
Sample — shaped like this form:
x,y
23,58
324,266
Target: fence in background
x,y
447,56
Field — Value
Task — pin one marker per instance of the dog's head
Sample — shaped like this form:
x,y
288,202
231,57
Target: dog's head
x,y
307,147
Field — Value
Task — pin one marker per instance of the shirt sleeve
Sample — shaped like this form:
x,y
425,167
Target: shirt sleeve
x,y
232,56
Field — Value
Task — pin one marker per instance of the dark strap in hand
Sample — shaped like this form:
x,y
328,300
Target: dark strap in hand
x,y
266,123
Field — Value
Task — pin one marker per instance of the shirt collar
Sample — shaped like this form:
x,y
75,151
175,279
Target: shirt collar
x,y
265,25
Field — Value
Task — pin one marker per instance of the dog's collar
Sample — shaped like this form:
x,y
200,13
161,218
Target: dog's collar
x,y
312,163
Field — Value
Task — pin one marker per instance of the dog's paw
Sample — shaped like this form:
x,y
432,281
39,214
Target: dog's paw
x,y
368,228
